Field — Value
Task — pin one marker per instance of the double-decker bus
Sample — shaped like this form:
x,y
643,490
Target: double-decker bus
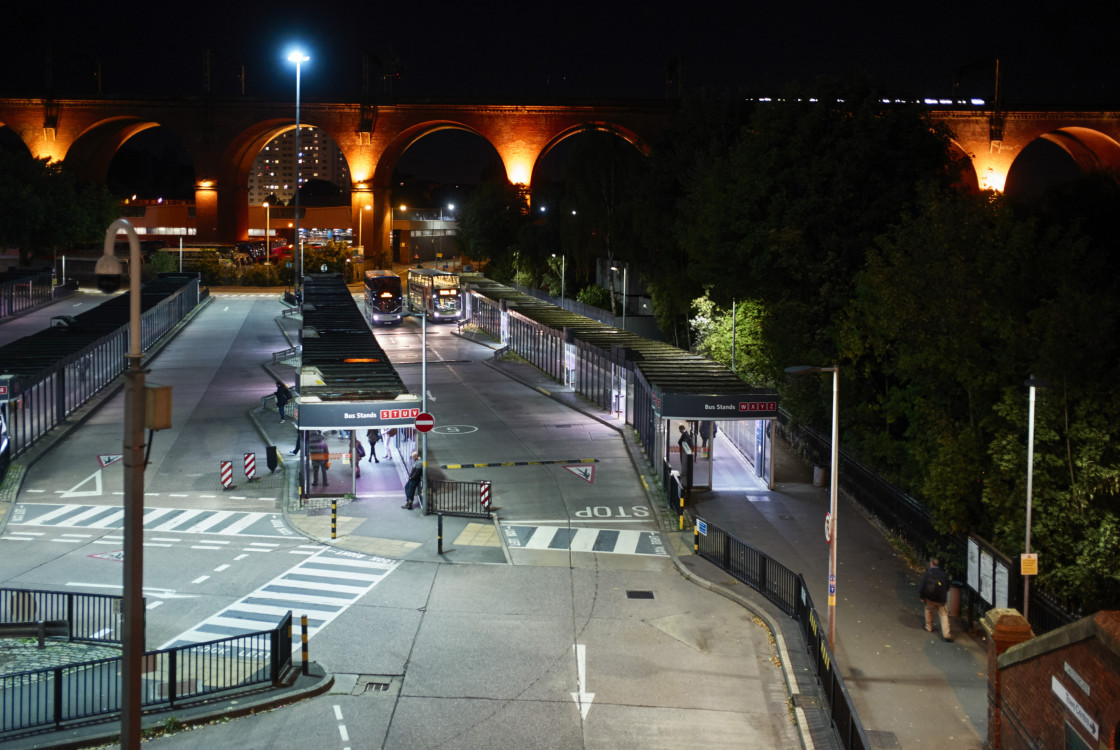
x,y
435,293
383,298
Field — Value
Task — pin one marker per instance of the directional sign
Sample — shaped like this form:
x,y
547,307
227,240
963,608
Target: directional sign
x,y
425,421
586,473
582,697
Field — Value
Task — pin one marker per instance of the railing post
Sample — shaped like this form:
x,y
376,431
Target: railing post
x,y
303,636
439,537
69,616
172,676
58,696
726,549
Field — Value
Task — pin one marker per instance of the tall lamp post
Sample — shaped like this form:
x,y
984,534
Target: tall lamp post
x,y
298,58
108,271
624,290
267,236
563,263
834,481
1032,383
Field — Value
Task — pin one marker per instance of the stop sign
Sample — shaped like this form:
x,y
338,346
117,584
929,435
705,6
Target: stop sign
x,y
424,421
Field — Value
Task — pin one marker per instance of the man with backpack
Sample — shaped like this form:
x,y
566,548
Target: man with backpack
x,y
933,588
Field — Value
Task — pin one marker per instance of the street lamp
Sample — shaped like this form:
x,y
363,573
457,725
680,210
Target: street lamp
x,y
108,272
563,261
298,58
267,236
367,208
624,270
1032,383
834,480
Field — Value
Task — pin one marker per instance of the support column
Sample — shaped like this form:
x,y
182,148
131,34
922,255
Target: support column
x,y
1005,628
381,224
206,211
362,226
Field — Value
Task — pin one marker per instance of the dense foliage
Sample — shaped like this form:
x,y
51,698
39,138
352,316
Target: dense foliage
x,y
834,226
44,209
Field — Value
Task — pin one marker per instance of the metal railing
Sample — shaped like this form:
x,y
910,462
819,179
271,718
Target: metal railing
x,y
788,592
33,700
456,498
93,618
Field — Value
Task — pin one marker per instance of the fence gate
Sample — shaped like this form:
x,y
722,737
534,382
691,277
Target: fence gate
x,y
467,499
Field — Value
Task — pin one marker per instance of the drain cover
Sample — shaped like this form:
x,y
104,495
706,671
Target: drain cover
x,y
639,594
883,740
806,701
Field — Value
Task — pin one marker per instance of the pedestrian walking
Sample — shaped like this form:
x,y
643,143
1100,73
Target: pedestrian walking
x,y
415,477
389,436
283,396
685,444
933,588
357,453
707,433
374,437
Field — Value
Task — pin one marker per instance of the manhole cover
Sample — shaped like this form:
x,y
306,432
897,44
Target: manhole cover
x,y
639,594
806,701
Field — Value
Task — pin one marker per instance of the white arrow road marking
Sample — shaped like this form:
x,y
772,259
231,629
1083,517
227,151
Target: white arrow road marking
x,y
159,593
74,492
582,698
431,397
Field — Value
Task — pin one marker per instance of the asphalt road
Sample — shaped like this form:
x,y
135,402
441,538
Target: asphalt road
x,y
552,651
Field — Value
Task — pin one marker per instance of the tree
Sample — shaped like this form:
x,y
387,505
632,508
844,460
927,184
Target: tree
x,y
44,209
489,224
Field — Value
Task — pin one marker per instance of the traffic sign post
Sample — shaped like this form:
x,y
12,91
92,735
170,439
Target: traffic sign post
x,y
424,421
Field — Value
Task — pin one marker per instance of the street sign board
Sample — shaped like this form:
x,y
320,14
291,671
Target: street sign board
x,y
425,421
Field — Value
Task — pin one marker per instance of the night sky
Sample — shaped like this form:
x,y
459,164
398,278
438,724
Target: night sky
x,y
1059,54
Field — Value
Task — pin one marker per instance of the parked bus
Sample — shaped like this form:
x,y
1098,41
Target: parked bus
x,y
436,293
384,304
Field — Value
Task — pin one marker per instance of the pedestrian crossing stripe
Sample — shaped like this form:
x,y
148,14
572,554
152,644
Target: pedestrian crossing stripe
x,y
612,541
522,463
179,520
322,587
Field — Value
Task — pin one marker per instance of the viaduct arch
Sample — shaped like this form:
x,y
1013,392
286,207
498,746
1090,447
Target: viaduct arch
x,y
224,137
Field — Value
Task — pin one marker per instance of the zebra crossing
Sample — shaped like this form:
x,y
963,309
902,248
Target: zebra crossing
x,y
322,587
179,520
565,538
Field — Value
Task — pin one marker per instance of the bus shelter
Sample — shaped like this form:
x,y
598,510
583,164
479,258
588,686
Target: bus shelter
x,y
651,385
347,387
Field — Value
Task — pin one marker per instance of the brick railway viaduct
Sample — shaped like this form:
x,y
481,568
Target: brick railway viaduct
x,y
224,137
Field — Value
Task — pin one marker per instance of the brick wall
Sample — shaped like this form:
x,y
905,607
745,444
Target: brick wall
x,y
1041,684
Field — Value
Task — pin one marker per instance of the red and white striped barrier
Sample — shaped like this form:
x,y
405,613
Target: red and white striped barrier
x,y
250,466
484,489
227,474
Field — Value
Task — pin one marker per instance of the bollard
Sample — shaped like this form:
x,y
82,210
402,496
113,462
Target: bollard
x,y
439,533
250,466
696,539
484,491
303,636
227,474
334,518
680,513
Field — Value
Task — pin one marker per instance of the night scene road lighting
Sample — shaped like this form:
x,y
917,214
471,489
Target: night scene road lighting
x,y
831,526
298,58
1032,384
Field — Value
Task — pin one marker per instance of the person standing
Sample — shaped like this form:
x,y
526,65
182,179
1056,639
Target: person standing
x,y
374,437
415,477
320,459
283,396
933,589
685,444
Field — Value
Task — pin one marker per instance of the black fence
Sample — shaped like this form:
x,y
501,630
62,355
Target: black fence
x,y
24,289
90,691
788,592
93,618
458,498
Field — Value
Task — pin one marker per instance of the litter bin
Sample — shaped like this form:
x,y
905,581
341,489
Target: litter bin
x,y
953,604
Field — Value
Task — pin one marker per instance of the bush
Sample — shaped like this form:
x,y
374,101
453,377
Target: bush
x,y
260,275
